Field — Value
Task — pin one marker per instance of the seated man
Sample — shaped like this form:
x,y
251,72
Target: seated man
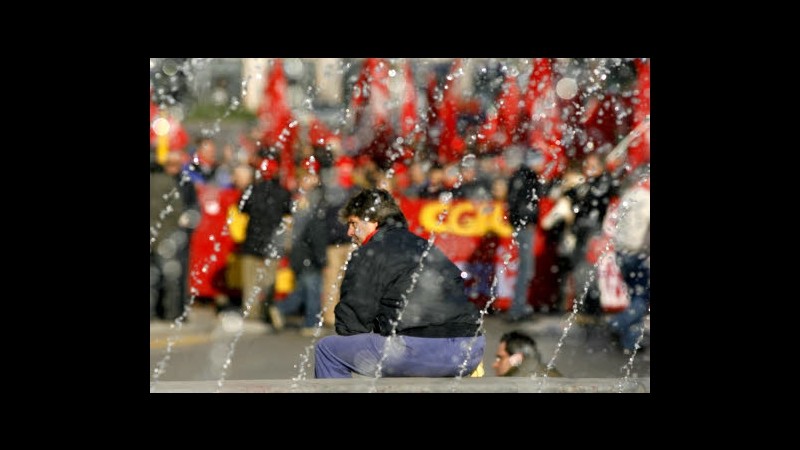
x,y
517,356
403,310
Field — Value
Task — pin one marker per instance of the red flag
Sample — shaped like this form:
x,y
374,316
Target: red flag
x,y
639,150
361,90
408,115
373,131
276,122
379,93
508,105
409,119
543,113
430,96
318,133
541,107
451,145
371,93
501,127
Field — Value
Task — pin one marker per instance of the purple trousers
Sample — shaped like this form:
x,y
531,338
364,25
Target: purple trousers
x,y
339,356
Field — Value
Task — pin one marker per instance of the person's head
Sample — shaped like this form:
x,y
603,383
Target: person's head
x,y
368,210
174,163
535,161
436,175
309,178
514,348
592,165
242,176
416,172
207,151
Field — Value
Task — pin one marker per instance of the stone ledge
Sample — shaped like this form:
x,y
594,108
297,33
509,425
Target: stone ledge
x,y
411,385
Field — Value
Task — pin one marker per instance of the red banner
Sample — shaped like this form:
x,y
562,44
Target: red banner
x,y
476,236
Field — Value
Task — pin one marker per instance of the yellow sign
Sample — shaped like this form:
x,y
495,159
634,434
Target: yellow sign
x,y
470,219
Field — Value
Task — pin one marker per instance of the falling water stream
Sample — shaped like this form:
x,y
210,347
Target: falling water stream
x,y
620,213
177,324
445,199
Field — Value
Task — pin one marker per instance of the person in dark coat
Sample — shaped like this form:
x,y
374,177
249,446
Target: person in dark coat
x,y
524,193
168,240
265,204
403,310
308,255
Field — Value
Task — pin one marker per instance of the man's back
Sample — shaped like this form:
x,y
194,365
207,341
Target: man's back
x,y
387,270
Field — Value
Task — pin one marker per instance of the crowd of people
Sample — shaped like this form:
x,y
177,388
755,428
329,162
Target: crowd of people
x,y
315,244
245,229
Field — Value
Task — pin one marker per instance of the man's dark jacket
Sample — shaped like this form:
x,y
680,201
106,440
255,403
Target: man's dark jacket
x,y
267,204
381,272
524,193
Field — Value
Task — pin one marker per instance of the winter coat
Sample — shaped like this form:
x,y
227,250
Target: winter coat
x,y
310,236
522,204
378,277
165,208
267,204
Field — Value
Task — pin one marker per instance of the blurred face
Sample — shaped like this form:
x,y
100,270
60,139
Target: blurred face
x,y
173,164
592,167
359,229
208,152
499,189
242,176
309,181
502,363
417,174
437,177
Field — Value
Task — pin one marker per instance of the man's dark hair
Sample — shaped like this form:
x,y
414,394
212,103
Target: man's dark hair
x,y
517,342
374,205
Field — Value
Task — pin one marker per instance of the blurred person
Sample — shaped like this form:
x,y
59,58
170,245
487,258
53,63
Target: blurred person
x,y
434,185
500,189
525,189
338,249
223,176
632,246
203,165
190,218
473,187
265,206
416,173
396,286
557,224
589,199
517,356
169,240
241,178
308,253
338,186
